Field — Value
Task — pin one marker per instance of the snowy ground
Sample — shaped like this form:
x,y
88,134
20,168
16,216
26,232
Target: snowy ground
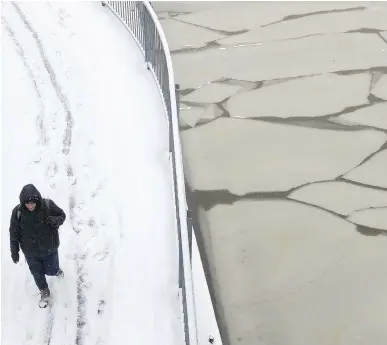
x,y
82,120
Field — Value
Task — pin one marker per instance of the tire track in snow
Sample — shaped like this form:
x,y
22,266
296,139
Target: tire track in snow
x,y
43,139
81,299
52,170
85,303
79,262
48,325
61,96
81,256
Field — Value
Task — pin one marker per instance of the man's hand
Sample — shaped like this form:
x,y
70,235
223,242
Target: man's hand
x,y
15,257
51,221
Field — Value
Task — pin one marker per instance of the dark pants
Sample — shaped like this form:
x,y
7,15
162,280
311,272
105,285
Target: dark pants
x,y
42,266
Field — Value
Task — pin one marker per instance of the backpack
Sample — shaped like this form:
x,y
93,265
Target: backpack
x,y
46,201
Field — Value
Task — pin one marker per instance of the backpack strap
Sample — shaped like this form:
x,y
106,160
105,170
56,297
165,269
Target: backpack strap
x,y
18,212
47,207
47,202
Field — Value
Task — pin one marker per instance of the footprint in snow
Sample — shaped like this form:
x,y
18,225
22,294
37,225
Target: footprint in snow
x,y
101,306
69,170
37,160
91,223
100,256
52,170
72,180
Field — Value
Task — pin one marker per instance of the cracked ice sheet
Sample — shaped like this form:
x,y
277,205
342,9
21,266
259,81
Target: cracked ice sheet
x,y
380,88
290,261
372,18
303,97
374,116
185,6
212,93
340,197
307,56
270,157
189,115
78,54
374,218
252,15
181,35
373,172
194,115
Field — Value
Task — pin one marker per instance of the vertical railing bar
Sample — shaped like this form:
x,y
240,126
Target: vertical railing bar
x,y
136,22
131,14
143,23
140,22
127,12
134,18
137,12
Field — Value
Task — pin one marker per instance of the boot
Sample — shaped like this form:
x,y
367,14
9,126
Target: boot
x,y
60,273
44,297
45,293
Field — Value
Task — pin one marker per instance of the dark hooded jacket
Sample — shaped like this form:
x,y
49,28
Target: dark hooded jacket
x,y
31,231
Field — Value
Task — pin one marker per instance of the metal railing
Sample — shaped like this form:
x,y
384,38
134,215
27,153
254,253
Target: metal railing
x,y
142,22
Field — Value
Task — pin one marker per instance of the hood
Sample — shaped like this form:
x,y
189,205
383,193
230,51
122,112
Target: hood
x,y
29,192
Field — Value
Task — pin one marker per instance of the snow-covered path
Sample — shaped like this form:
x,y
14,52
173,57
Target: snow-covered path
x,y
83,121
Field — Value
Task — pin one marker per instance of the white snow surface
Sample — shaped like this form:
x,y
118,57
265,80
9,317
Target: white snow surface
x,y
83,121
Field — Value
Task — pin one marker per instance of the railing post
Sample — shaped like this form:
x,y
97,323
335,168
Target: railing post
x,y
189,229
145,27
177,92
189,216
181,259
177,88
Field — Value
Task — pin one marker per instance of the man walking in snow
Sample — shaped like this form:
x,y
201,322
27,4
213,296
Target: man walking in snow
x,y
34,227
